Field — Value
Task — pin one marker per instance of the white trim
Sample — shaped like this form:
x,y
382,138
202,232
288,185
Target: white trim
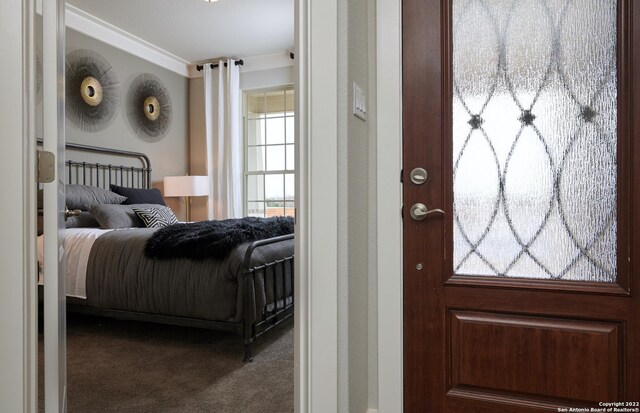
x,y
53,133
301,313
389,138
92,26
372,410
30,286
18,314
316,230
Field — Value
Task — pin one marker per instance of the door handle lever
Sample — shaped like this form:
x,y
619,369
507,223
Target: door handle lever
x,y
420,211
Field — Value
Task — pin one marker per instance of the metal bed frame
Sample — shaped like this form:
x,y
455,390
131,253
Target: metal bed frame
x,y
271,315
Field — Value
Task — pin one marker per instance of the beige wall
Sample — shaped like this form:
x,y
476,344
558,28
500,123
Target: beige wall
x,y
359,200
169,156
264,79
356,205
197,146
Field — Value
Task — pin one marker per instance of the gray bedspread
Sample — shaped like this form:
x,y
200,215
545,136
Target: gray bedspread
x,y
121,277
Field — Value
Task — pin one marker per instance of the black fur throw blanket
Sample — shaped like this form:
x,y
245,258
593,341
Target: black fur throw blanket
x,y
213,239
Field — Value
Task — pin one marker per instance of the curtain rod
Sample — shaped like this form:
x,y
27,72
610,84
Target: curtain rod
x,y
214,65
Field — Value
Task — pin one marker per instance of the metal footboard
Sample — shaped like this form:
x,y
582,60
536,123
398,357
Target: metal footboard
x,y
279,276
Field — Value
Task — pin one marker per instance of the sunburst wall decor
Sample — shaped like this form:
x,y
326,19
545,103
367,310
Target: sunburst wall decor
x,y
149,108
92,92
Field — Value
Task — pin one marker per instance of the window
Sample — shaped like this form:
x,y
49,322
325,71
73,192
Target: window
x,y
269,153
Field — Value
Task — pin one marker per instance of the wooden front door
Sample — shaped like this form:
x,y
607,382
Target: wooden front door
x,y
521,266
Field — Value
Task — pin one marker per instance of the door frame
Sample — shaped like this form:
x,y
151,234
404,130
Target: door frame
x,y
18,295
389,197
316,322
53,118
316,289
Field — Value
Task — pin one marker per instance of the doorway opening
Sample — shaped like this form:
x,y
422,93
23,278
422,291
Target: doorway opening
x,y
164,158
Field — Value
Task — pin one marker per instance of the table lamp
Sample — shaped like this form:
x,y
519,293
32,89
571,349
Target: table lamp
x,y
186,186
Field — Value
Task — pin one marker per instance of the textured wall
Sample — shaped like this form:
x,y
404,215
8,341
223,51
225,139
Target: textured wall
x,y
357,369
197,146
170,156
359,239
342,67
264,79
372,278
359,231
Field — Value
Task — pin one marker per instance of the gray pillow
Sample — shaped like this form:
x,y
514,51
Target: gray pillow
x,y
84,197
84,220
113,216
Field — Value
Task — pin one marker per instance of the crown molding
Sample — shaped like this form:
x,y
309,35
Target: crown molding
x,y
87,24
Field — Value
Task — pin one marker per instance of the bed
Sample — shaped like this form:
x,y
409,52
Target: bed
x,y
110,272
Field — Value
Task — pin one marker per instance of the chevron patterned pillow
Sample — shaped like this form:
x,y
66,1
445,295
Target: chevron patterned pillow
x,y
156,217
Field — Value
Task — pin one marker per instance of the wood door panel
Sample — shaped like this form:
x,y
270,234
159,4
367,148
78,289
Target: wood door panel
x,y
480,343
545,357
569,304
459,400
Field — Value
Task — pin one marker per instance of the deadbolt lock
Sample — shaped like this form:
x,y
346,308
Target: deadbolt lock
x,y
418,176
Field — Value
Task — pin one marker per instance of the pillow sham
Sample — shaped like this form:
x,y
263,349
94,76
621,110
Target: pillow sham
x,y
83,197
111,216
139,196
84,220
80,197
156,217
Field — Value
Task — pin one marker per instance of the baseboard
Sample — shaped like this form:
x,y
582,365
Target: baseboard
x,y
372,410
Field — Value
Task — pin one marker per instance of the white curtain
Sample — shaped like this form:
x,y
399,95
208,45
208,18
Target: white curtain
x,y
224,143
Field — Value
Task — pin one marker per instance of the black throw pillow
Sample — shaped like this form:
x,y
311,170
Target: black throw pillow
x,y
139,196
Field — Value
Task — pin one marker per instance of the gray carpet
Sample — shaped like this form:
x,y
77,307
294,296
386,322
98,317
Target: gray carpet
x,y
134,367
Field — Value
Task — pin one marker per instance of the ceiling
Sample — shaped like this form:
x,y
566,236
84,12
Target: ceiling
x,y
195,30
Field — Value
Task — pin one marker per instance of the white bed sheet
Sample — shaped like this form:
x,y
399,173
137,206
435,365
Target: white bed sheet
x,y
77,246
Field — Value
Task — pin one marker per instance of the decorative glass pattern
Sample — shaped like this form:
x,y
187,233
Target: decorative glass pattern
x,y
534,138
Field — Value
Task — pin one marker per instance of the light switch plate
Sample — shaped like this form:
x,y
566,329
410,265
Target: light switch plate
x,y
359,102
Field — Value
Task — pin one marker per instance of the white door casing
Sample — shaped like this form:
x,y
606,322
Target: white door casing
x,y
389,190
18,294
53,29
316,358
316,319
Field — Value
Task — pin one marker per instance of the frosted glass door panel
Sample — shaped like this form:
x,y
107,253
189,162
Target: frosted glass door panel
x,y
534,139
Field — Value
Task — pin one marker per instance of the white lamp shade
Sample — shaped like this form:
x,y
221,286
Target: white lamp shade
x,y
187,185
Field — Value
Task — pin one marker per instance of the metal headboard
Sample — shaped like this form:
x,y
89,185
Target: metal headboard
x,y
104,174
